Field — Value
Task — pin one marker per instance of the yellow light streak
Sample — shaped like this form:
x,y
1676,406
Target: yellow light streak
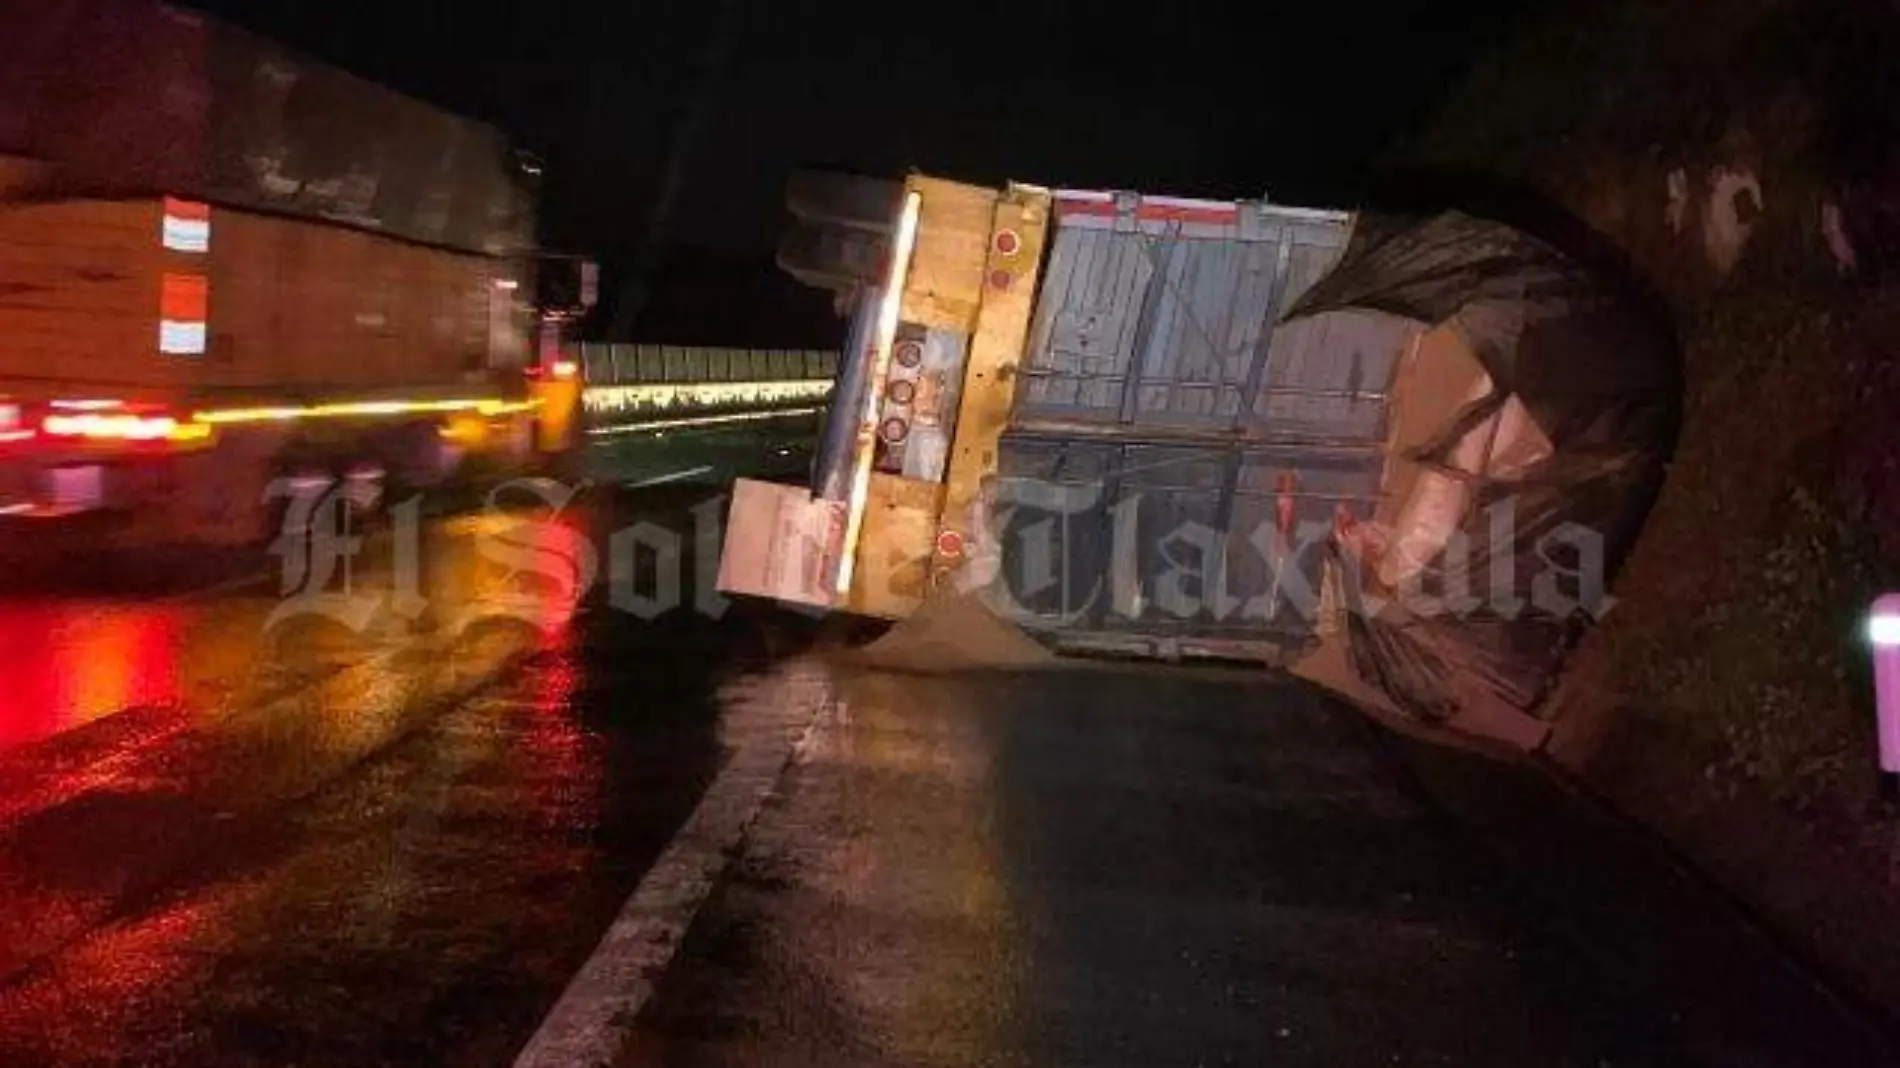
x,y
702,420
888,310
662,397
362,409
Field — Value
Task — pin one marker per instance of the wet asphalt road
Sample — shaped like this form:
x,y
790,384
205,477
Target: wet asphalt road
x,y
230,835
711,456
1157,867
231,841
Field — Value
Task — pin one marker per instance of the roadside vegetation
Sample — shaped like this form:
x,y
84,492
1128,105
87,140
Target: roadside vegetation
x,y
1739,155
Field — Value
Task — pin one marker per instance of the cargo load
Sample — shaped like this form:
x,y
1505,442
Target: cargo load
x,y
1534,419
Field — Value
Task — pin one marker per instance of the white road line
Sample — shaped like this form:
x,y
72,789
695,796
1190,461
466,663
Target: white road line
x,y
770,728
676,476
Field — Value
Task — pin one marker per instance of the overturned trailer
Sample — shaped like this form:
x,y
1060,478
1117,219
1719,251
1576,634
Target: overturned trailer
x,y
1402,456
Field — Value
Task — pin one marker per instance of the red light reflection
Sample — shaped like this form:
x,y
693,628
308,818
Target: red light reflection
x,y
68,664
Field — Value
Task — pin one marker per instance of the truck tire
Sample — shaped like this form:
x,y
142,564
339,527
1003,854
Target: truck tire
x,y
220,497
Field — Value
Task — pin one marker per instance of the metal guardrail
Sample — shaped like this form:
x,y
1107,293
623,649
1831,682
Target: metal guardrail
x,y
666,398
633,388
604,364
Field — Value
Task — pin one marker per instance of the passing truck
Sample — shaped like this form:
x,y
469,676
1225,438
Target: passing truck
x,y
226,269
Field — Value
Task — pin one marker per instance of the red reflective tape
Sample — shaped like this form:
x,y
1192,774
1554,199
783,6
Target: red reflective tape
x,y
1149,211
184,298
950,544
1075,206
190,210
1221,215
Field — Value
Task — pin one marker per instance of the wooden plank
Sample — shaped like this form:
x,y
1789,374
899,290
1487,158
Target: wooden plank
x,y
82,315
945,285
16,256
79,322
1019,229
73,297
292,303
83,223
71,353
245,259
335,310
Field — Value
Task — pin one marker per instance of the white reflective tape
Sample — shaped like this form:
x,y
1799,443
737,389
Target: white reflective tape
x,y
1190,203
181,339
1884,630
187,235
677,476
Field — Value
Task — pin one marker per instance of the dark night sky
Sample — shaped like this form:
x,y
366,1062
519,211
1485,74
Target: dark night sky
x,y
1291,100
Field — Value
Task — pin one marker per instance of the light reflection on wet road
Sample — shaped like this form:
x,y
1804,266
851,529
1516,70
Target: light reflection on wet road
x,y
227,842
68,664
223,841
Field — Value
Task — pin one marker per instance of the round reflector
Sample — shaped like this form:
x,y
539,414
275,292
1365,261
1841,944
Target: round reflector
x,y
950,544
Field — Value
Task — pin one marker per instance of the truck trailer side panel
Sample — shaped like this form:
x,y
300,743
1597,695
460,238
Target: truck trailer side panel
x,y
284,307
1213,445
323,310
80,294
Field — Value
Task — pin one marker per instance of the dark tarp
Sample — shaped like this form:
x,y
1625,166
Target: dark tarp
x,y
1597,373
132,98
